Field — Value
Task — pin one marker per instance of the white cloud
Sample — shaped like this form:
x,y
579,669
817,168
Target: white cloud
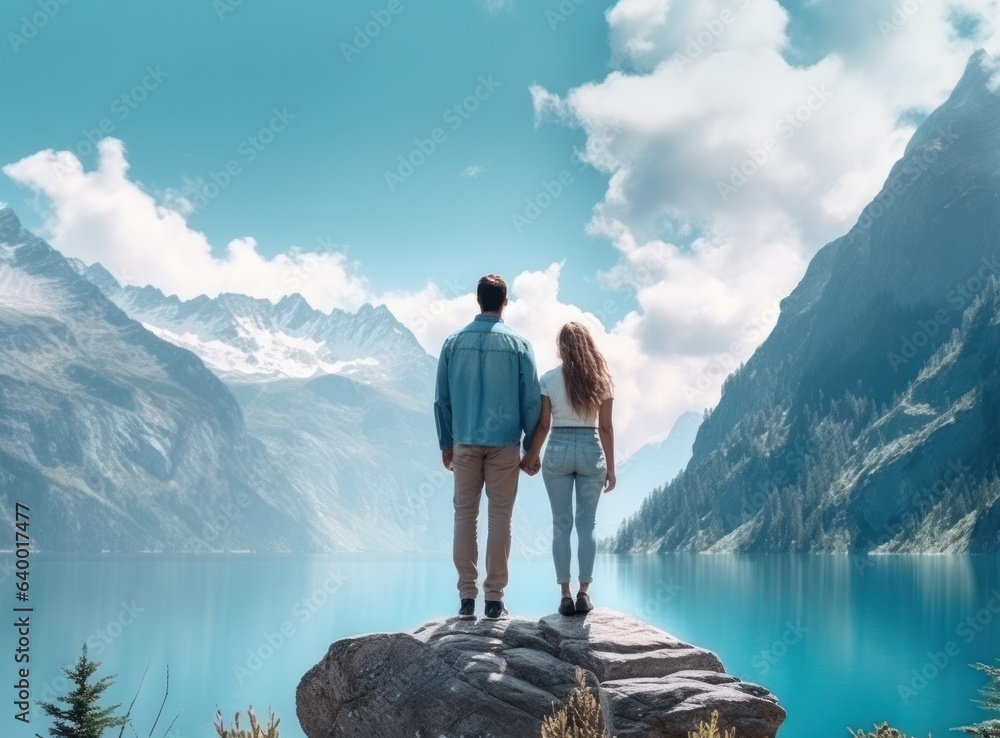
x,y
729,167
549,106
658,357
104,216
434,312
705,264
651,389
646,32
473,170
715,88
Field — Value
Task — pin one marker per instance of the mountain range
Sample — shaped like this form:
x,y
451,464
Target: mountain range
x,y
137,421
867,421
133,421
115,439
340,400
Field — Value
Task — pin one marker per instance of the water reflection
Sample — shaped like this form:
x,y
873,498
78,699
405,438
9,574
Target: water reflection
x,y
839,639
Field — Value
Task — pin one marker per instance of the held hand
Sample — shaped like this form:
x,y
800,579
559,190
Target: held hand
x,y
610,482
530,464
448,458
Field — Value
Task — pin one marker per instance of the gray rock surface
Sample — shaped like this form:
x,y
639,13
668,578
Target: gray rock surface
x,y
451,679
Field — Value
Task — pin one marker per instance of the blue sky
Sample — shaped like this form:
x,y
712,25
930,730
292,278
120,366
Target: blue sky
x,y
674,164
323,178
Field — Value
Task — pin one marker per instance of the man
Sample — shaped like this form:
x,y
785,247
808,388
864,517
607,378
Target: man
x,y
487,396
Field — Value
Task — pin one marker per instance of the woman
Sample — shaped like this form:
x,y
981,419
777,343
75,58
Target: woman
x,y
576,405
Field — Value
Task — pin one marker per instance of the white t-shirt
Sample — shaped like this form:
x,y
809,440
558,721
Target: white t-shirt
x,y
554,387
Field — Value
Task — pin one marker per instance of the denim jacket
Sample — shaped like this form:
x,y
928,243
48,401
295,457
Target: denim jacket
x,y
487,386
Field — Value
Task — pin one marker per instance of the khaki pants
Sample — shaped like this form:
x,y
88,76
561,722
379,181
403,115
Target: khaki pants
x,y
497,468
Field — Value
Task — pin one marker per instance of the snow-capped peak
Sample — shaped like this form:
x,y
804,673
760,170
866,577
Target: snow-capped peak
x,y
245,338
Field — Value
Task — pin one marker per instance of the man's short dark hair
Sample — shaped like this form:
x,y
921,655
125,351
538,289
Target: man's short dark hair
x,y
491,293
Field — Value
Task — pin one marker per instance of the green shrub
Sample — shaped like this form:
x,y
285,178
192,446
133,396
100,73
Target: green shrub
x,y
580,717
711,729
990,701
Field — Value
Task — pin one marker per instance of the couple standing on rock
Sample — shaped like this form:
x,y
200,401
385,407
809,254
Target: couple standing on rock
x,y
488,395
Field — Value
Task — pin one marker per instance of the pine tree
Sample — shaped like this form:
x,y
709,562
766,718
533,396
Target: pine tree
x,y
990,701
82,716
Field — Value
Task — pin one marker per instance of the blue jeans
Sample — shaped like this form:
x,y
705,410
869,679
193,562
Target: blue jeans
x,y
574,456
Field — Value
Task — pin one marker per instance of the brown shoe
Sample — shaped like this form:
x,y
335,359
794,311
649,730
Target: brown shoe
x,y
583,602
566,606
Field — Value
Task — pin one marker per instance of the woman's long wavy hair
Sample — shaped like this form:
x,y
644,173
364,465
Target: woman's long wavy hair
x,y
588,381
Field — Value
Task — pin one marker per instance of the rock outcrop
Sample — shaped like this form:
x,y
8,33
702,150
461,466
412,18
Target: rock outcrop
x,y
452,679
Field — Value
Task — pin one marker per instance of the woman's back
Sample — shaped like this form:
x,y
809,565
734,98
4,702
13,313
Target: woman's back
x,y
553,384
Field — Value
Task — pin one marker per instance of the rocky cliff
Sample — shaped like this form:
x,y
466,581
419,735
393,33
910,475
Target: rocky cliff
x,y
866,421
451,678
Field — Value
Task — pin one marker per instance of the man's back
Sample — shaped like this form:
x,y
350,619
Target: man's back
x,y
487,396
487,386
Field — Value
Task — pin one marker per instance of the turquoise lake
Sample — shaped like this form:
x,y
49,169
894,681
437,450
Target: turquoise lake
x,y
843,641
